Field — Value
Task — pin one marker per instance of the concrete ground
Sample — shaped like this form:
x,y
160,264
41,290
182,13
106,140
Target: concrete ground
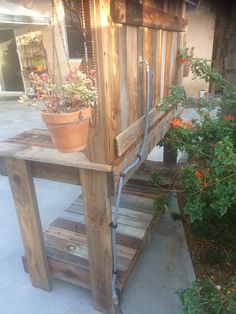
x,y
164,267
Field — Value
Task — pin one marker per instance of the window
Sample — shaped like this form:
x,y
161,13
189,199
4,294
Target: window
x,y
74,32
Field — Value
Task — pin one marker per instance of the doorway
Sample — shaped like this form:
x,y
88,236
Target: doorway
x,y
10,71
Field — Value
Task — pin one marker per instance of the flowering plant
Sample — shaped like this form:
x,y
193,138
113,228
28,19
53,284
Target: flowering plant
x,y
209,181
185,55
78,92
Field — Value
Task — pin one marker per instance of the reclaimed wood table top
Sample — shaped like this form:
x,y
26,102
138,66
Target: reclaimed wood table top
x,y
36,145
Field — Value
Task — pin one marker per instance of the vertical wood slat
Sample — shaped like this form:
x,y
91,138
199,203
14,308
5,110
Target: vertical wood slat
x,y
148,56
96,143
172,58
21,181
140,71
153,69
123,77
132,62
163,61
158,58
107,61
97,210
167,63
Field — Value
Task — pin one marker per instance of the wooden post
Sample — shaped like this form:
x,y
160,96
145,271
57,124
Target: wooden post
x,y
23,191
97,210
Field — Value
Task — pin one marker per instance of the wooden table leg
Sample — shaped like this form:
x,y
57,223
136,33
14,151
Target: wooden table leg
x,y
24,195
97,208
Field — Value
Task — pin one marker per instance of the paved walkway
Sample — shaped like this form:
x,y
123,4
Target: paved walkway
x,y
164,267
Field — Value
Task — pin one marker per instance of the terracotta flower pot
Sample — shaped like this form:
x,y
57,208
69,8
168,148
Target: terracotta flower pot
x,y
186,69
38,68
69,131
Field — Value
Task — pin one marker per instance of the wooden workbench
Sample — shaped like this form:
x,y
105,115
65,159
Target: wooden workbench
x,y
76,246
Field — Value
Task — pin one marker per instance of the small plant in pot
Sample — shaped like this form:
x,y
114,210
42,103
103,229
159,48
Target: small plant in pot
x,y
185,57
38,66
65,109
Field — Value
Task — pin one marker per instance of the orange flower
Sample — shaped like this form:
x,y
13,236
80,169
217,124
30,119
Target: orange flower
x,y
229,118
184,59
188,124
199,174
176,122
205,184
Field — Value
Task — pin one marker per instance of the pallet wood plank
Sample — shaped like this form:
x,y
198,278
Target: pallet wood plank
x,y
52,156
142,175
64,256
148,56
33,137
9,149
140,71
167,64
125,240
136,203
57,173
158,57
135,13
107,60
147,191
139,203
77,249
78,238
71,273
163,62
23,191
155,135
128,216
77,207
97,209
124,229
132,62
122,29
132,134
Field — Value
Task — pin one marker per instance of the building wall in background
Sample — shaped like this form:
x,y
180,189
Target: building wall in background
x,y
200,34
57,51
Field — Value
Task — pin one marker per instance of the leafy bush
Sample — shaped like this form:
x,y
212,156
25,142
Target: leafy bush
x,y
205,298
208,182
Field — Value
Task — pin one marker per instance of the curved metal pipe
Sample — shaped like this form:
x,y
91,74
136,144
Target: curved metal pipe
x,y
121,181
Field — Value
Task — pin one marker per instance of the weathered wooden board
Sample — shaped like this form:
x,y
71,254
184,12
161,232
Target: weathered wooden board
x,y
132,134
59,173
167,64
129,212
67,244
23,148
135,13
33,137
24,195
71,273
132,64
97,209
124,99
155,135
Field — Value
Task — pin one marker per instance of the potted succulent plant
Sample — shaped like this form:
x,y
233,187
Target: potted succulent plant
x,y
65,109
185,59
38,65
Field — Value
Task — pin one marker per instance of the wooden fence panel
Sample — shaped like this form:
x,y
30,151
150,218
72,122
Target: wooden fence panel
x,y
124,44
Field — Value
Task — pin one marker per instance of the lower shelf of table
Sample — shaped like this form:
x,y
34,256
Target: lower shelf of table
x,y
66,242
